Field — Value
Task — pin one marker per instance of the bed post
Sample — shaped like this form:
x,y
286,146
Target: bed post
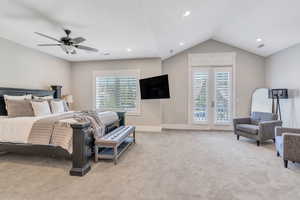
x,y
81,149
57,91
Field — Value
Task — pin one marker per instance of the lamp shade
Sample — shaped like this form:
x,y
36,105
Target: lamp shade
x,y
68,98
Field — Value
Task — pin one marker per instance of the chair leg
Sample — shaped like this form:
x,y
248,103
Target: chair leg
x,y
285,163
237,137
278,154
258,143
274,140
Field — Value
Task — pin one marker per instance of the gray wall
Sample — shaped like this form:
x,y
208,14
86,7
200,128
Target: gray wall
x,y
27,68
23,67
249,70
283,71
82,80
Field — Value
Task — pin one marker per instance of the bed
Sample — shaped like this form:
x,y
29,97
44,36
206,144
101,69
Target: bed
x,y
14,140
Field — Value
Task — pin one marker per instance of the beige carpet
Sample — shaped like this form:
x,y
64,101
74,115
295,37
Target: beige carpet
x,y
170,165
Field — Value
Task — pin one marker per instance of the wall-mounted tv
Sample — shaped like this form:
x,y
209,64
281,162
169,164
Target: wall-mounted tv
x,y
155,87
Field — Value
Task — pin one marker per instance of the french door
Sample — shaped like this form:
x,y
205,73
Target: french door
x,y
211,102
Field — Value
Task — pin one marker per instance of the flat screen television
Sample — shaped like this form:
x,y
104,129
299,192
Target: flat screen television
x,y
155,87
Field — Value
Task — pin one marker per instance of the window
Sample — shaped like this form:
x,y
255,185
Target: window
x,y
117,90
223,96
200,96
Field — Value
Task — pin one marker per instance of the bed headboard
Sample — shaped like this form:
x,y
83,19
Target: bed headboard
x,y
19,92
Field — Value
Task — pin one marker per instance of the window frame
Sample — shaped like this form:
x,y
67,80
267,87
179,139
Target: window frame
x,y
122,72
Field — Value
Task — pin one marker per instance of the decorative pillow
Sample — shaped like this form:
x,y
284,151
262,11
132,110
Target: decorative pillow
x,y
57,106
18,108
41,108
66,106
23,97
43,98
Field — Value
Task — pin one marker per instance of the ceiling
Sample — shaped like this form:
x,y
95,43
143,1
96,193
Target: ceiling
x,y
151,28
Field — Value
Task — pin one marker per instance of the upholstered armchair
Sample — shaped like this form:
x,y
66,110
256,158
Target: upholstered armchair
x,y
288,144
260,126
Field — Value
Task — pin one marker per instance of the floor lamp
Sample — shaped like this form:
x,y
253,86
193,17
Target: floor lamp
x,y
276,95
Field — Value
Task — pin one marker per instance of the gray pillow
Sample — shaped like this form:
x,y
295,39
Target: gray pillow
x,y
19,108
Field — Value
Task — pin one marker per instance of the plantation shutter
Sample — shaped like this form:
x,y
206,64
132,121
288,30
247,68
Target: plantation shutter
x,y
200,96
223,96
116,92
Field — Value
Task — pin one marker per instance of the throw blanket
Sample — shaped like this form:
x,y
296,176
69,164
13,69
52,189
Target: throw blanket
x,y
57,131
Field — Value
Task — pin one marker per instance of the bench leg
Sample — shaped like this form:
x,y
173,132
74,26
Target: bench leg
x,y
96,153
134,136
115,154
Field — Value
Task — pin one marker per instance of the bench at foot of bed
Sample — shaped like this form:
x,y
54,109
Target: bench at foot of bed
x,y
113,144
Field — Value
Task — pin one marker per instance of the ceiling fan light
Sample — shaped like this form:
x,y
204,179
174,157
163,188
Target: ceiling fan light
x,y
69,48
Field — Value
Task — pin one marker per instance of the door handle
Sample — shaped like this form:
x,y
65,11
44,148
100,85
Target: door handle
x,y
212,104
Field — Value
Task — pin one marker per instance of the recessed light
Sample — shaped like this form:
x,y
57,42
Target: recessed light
x,y
186,13
181,43
258,40
171,51
128,49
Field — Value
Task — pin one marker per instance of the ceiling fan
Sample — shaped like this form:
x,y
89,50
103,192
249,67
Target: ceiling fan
x,y
68,44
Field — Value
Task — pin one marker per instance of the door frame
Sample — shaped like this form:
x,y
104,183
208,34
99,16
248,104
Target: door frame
x,y
208,60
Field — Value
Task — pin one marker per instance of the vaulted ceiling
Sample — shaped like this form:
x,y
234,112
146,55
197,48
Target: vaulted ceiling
x,y
151,28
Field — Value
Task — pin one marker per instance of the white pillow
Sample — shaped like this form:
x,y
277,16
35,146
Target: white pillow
x,y
41,108
57,106
23,97
43,98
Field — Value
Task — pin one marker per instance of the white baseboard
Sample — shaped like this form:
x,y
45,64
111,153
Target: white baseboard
x,y
194,127
148,128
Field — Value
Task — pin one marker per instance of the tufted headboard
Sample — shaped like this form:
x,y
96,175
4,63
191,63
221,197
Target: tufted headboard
x,y
19,92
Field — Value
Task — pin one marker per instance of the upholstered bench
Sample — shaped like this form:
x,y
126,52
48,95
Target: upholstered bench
x,y
113,144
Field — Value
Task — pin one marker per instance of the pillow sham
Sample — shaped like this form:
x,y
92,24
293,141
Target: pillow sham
x,y
40,108
43,98
57,106
22,97
18,108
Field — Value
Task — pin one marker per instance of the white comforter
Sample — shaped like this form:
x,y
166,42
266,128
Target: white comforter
x,y
17,130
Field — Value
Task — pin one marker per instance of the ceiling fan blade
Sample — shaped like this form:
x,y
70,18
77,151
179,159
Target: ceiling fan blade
x,y
78,40
86,48
48,45
46,36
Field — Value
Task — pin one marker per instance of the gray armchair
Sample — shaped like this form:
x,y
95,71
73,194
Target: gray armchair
x,y
260,126
288,144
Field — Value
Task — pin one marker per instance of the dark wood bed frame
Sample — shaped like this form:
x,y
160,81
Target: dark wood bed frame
x,y
82,136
